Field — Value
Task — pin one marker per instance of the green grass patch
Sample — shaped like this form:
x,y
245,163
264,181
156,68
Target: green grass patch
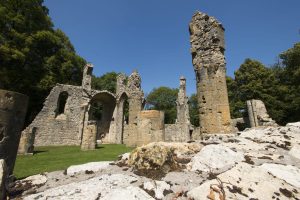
x,y
52,158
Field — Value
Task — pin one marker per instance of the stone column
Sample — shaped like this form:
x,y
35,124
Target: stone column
x,y
207,48
251,114
183,115
136,97
13,107
89,136
87,76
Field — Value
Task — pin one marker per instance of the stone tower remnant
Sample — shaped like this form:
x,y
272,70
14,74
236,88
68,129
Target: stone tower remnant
x,y
207,49
87,76
183,115
13,107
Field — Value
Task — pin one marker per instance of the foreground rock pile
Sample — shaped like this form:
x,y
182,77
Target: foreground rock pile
x,y
261,163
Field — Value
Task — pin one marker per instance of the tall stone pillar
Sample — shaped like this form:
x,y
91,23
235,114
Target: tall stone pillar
x,y
87,76
89,136
207,48
136,96
13,107
183,115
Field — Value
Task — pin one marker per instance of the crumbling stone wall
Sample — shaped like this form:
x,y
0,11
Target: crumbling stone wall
x,y
258,115
182,129
207,48
13,108
149,128
65,114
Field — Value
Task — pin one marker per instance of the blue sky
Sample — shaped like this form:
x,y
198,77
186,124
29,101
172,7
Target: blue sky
x,y
152,36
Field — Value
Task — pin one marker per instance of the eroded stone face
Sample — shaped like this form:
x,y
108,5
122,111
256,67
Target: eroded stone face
x,y
13,107
207,48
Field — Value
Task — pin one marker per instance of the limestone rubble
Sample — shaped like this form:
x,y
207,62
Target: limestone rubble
x,y
254,164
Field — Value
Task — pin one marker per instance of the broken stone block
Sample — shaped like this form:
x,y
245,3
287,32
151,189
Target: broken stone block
x,y
13,107
26,145
258,115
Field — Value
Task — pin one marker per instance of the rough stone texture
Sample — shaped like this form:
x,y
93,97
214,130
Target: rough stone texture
x,y
87,77
295,151
182,130
90,167
26,145
243,182
13,107
3,176
267,171
288,173
215,159
207,48
162,155
115,186
66,112
258,115
89,136
158,187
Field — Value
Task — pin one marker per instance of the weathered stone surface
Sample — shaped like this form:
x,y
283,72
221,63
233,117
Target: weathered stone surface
x,y
207,48
89,136
115,186
181,130
258,115
26,145
158,187
162,156
295,151
90,167
215,159
13,107
244,181
288,173
3,176
37,180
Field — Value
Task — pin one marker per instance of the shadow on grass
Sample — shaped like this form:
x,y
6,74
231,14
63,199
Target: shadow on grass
x,y
99,147
37,152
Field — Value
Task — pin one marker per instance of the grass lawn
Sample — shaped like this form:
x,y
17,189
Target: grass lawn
x,y
47,159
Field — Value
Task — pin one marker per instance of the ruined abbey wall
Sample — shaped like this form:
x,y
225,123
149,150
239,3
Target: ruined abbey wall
x,y
207,48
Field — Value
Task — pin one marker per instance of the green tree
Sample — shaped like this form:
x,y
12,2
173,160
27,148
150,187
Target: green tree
x,y
107,82
255,81
194,110
288,75
33,55
164,98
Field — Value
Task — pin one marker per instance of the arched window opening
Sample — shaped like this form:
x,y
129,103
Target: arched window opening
x,y
62,100
96,112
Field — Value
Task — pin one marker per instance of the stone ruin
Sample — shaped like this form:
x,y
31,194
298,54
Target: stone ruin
x,y
13,107
207,48
79,115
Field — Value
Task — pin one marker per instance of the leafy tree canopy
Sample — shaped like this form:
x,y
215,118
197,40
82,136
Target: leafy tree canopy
x,y
164,98
107,82
33,55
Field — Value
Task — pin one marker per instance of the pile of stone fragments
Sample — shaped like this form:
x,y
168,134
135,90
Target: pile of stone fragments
x,y
258,163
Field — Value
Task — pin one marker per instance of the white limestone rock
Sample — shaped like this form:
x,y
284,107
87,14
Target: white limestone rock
x,y
92,166
215,158
288,173
115,186
295,124
158,187
38,179
3,173
295,151
243,182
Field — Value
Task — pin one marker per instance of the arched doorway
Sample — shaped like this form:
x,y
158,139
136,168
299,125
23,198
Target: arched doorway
x,y
101,108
